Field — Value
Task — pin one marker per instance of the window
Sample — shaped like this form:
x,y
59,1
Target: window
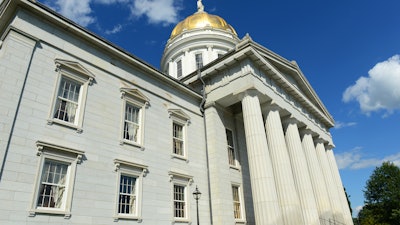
x,y
178,139
134,105
131,123
55,180
70,95
179,201
231,148
237,208
180,120
129,189
180,183
179,68
199,60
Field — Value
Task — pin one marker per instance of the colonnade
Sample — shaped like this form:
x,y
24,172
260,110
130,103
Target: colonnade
x,y
294,177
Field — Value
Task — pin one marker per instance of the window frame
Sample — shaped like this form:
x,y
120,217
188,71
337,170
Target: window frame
x,y
75,72
135,98
180,118
179,68
241,203
199,60
183,180
233,147
130,169
63,155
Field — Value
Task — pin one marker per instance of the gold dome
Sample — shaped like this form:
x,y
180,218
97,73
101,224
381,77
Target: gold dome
x,y
201,19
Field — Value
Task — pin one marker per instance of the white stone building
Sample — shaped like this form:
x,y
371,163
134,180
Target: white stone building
x,y
90,134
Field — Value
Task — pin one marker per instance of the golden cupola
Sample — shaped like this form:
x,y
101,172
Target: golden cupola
x,y
201,19
196,41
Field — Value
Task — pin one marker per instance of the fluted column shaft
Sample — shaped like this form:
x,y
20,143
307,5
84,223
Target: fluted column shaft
x,y
317,178
339,185
287,194
265,200
329,180
301,175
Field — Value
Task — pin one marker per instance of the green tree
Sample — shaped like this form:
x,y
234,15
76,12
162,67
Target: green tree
x,y
382,197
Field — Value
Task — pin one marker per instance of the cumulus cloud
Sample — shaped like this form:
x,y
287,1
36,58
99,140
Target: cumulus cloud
x,y
380,90
357,209
163,12
339,124
354,160
157,11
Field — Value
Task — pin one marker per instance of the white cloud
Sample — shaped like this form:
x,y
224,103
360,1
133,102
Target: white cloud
x,y
379,91
355,160
157,11
76,10
339,124
357,209
117,28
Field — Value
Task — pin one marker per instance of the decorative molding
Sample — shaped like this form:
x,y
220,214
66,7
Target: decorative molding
x,y
118,162
74,66
44,146
179,114
174,175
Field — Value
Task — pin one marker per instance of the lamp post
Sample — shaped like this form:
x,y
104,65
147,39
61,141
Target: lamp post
x,y
197,195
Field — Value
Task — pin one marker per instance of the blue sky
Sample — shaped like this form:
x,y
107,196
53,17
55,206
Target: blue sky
x,y
348,50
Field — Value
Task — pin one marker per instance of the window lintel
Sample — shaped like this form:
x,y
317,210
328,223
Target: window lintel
x,y
178,114
176,175
119,162
134,93
74,66
43,146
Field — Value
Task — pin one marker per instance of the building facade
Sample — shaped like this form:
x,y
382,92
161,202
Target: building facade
x,y
90,134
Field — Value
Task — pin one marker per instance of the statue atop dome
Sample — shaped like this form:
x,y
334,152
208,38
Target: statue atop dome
x,y
200,6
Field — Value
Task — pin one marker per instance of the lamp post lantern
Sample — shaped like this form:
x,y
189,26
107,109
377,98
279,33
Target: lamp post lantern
x,y
197,195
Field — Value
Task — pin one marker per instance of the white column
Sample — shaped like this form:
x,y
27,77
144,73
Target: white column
x,y
317,178
265,200
329,180
287,194
300,171
335,172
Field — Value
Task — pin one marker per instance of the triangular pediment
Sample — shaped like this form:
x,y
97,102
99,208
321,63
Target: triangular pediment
x,y
74,66
135,93
178,113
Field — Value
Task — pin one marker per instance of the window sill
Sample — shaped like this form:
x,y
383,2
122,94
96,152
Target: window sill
x,y
127,217
66,214
181,220
181,157
65,124
234,167
131,143
240,221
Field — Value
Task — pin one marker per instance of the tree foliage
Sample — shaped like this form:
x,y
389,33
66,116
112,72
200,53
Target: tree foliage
x,y
382,197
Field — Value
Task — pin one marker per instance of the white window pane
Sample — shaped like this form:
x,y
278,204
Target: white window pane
x,y
127,195
52,186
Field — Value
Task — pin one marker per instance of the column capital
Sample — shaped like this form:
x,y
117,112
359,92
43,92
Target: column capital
x,y
320,141
329,146
305,131
272,106
248,92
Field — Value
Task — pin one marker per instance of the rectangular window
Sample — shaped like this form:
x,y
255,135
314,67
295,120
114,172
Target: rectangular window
x,y
67,102
179,68
52,189
199,60
179,201
178,139
236,202
131,124
230,147
127,195
55,179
